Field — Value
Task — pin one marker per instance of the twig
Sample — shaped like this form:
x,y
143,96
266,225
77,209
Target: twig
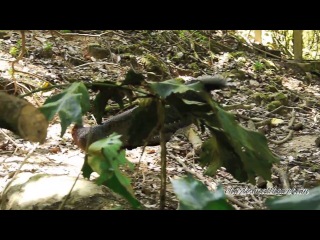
x,y
249,44
275,110
237,106
265,52
92,63
163,186
9,138
254,119
22,52
5,59
283,177
263,123
89,85
281,107
31,74
290,134
288,137
55,41
77,34
68,195
44,89
17,172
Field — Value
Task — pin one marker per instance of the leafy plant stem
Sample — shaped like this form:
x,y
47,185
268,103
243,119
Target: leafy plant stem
x,y
163,159
44,89
87,85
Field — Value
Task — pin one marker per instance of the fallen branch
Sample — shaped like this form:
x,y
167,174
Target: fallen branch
x,y
290,134
283,177
237,106
76,34
92,63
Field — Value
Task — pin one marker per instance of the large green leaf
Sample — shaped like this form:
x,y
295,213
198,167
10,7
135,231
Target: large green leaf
x,y
133,78
86,169
244,153
251,147
194,195
105,94
105,157
69,104
310,200
217,152
166,88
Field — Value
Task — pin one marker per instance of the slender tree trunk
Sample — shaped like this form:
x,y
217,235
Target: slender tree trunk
x,y
258,36
297,45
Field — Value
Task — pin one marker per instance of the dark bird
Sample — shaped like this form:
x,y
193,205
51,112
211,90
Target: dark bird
x,y
120,123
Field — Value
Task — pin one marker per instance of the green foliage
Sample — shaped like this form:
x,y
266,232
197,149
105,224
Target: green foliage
x,y
65,31
258,66
107,91
309,201
19,43
244,153
273,105
154,64
10,71
47,46
105,157
14,51
111,91
195,34
283,40
194,195
166,88
182,34
69,104
199,36
133,78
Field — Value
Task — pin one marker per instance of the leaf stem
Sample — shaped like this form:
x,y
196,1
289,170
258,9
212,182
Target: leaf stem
x,y
163,158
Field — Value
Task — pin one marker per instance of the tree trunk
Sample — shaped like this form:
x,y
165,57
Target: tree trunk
x,y
297,45
258,36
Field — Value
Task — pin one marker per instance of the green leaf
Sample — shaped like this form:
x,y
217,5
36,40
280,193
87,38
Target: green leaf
x,y
188,107
102,98
133,78
250,146
105,157
244,153
166,88
86,169
69,104
194,195
217,152
309,201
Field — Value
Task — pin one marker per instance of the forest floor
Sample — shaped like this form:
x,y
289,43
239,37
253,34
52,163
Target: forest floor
x,y
255,81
